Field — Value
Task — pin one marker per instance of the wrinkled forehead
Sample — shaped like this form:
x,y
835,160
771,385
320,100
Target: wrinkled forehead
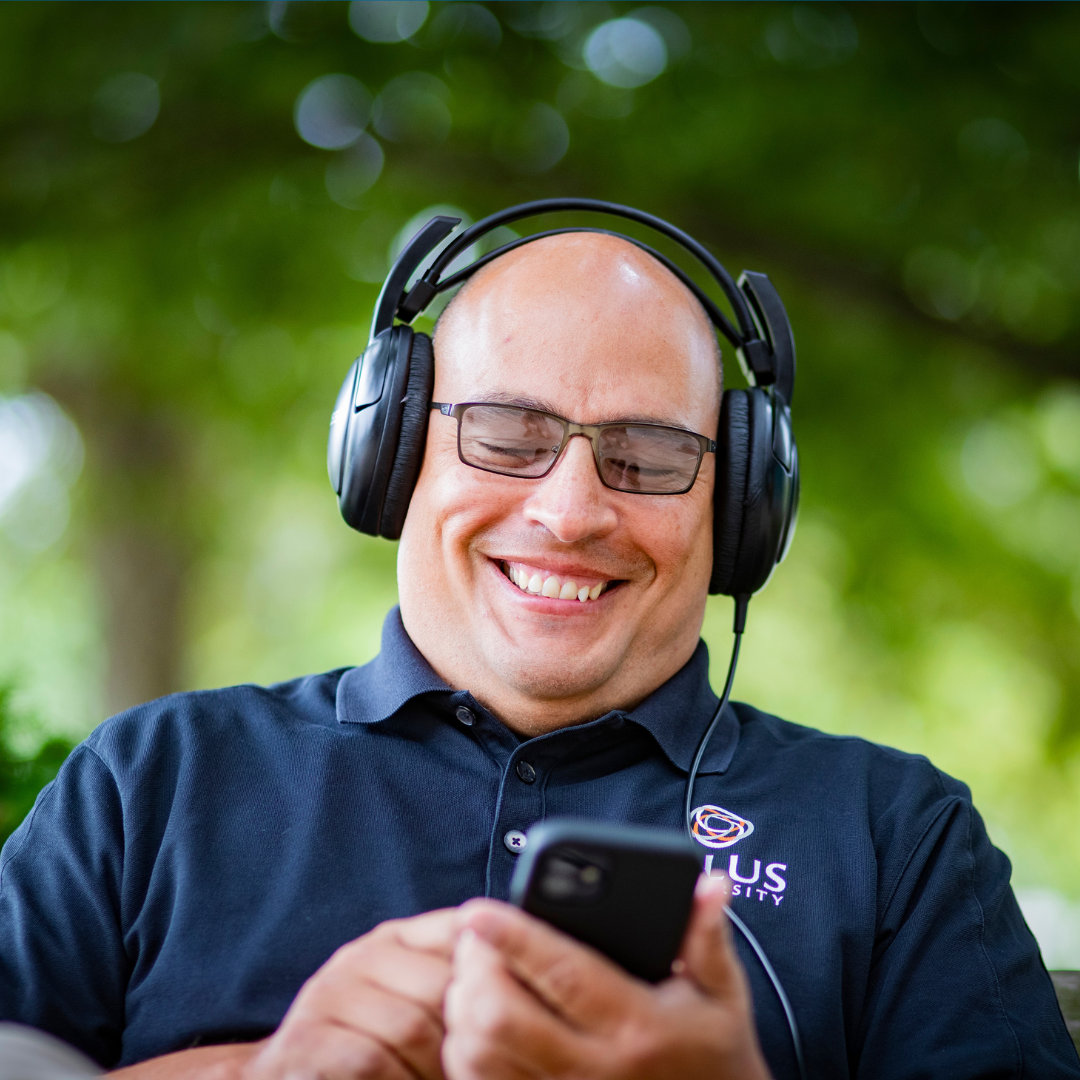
x,y
589,325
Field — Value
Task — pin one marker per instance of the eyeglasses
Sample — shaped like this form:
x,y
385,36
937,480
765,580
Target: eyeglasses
x,y
648,459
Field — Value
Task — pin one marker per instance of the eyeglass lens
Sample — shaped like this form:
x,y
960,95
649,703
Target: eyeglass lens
x,y
631,457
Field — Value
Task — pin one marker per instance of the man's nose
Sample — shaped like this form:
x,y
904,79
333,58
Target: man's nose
x,y
570,502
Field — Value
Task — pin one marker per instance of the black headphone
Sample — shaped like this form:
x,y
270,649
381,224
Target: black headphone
x,y
379,425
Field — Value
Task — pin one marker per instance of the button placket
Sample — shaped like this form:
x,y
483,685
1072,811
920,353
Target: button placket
x,y
520,807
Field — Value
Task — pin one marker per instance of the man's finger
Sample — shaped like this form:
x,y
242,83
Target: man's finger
x,y
378,989
418,976
404,1028
494,1026
329,1053
433,932
587,989
708,955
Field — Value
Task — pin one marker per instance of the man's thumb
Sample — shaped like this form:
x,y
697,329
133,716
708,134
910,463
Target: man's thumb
x,y
707,953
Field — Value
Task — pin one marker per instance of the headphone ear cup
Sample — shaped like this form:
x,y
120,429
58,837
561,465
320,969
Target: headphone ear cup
x,y
370,438
729,492
756,495
415,410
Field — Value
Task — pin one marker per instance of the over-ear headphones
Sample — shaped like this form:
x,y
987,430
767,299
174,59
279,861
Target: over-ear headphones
x,y
379,425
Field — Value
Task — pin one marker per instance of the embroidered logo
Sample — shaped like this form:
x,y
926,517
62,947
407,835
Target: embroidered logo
x,y
716,827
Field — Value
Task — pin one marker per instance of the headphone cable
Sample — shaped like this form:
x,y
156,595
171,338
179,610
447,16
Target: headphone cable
x,y
741,604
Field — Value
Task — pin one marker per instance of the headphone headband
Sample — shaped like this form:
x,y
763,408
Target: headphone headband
x,y
762,340
719,319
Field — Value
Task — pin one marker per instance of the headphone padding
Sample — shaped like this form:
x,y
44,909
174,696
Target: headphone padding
x,y
411,439
757,497
757,543
729,493
375,441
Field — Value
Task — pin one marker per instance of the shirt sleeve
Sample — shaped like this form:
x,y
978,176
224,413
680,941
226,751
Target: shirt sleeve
x,y
63,967
957,987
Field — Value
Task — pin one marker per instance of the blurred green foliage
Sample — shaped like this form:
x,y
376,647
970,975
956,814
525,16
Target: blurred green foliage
x,y
21,778
189,279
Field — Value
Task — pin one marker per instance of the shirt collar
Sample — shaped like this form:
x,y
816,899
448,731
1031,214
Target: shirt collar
x,y
676,714
368,694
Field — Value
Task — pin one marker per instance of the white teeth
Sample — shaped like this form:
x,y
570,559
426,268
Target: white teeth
x,y
551,585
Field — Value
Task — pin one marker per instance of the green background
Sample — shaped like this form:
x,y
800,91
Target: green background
x,y
184,281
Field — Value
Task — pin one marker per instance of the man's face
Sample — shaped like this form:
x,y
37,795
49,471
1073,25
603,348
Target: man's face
x,y
592,329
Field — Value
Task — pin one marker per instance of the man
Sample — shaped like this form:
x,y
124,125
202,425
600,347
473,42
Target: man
x,y
276,882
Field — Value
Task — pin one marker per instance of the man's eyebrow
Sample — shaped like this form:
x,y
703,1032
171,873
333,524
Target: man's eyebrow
x,y
523,401
503,397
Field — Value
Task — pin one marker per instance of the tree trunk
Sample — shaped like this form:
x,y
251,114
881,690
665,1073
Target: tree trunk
x,y
138,535
141,575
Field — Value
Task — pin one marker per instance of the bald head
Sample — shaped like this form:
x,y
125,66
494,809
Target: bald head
x,y
584,281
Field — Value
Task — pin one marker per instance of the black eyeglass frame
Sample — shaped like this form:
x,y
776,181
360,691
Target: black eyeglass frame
x,y
570,429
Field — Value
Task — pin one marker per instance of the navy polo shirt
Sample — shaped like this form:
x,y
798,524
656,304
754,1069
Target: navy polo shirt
x,y
199,857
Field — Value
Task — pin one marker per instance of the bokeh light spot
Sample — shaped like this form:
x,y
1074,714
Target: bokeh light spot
x,y
412,108
811,38
1059,426
999,463
125,107
332,112
994,147
465,26
625,53
941,282
535,142
34,277
669,26
354,171
387,21
41,456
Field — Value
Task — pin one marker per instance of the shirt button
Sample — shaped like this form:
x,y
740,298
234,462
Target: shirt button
x,y
465,716
515,841
526,772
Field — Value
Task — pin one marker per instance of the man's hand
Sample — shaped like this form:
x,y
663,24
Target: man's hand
x,y
373,1010
528,1002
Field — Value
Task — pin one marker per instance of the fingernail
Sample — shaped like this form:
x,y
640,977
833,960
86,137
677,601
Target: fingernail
x,y
709,884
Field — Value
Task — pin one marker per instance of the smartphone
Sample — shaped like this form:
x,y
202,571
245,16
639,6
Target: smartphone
x,y
623,889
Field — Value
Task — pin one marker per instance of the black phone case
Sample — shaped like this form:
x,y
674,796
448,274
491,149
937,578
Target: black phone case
x,y
625,890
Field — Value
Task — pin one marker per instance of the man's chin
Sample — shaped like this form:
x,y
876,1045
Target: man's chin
x,y
551,669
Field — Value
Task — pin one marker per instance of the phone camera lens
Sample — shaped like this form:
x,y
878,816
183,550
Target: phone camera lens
x,y
570,876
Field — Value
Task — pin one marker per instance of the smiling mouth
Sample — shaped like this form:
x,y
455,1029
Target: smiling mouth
x,y
537,582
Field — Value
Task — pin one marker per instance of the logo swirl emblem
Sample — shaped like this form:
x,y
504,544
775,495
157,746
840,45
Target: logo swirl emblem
x,y
716,827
